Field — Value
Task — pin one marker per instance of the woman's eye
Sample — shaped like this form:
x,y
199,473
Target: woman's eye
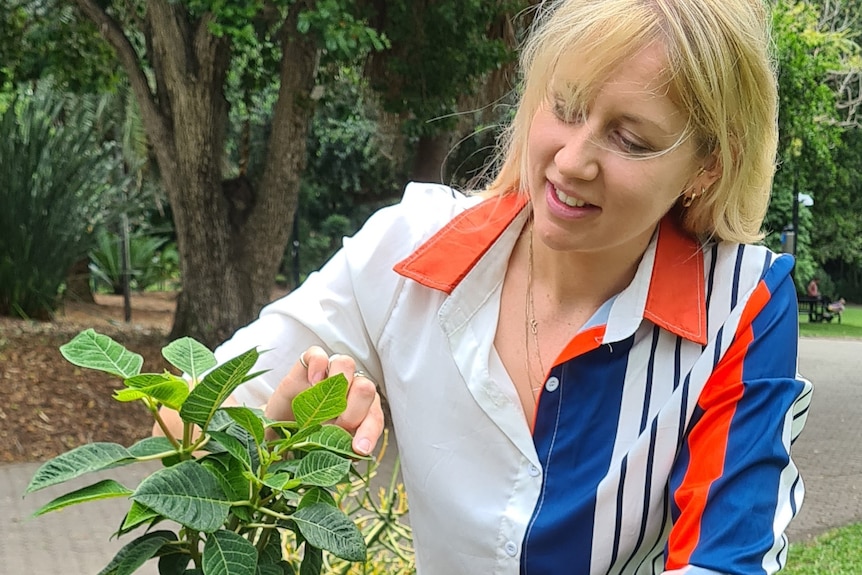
x,y
628,145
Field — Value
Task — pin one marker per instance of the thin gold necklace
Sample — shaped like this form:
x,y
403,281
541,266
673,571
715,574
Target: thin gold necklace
x,y
532,326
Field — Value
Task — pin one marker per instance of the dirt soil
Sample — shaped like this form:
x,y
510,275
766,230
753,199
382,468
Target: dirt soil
x,y
47,405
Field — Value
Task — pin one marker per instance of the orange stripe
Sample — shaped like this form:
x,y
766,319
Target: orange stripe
x,y
707,451
708,439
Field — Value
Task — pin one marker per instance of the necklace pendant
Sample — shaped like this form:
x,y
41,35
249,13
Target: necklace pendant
x,y
534,326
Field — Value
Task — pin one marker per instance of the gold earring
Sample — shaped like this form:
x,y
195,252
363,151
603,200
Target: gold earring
x,y
688,200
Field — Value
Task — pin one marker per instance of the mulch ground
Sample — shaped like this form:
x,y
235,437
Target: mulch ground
x,y
47,405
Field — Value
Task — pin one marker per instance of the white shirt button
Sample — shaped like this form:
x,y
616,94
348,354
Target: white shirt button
x,y
552,384
534,471
511,548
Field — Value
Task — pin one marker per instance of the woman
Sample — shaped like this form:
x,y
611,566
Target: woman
x,y
590,368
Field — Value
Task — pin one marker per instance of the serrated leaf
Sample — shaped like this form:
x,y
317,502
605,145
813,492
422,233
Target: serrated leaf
x,y
322,468
105,489
93,350
321,402
189,356
233,446
166,388
317,495
248,420
330,529
150,446
226,553
209,394
138,515
84,459
187,493
332,438
134,554
312,561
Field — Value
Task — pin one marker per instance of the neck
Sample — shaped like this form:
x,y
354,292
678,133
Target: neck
x,y
570,280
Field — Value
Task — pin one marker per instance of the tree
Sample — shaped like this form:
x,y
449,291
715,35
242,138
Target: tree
x,y
230,231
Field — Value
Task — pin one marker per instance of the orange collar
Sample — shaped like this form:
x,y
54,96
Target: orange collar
x,y
675,301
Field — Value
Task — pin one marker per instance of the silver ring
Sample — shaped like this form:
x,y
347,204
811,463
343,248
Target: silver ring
x,y
360,373
302,360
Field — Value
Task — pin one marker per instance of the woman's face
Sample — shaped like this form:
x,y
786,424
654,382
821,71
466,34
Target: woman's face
x,y
596,179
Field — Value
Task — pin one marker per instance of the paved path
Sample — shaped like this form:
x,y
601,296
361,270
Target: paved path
x,y
76,541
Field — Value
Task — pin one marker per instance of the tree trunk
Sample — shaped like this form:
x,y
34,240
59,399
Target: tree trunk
x,y
431,153
230,235
78,282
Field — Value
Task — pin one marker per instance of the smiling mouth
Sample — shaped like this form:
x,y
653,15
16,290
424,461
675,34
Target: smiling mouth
x,y
569,200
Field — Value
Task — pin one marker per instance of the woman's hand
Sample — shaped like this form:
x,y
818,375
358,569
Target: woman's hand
x,y
363,416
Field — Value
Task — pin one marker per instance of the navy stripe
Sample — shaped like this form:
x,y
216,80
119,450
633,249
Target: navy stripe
x,y
649,378
710,278
737,269
647,494
767,262
677,362
619,520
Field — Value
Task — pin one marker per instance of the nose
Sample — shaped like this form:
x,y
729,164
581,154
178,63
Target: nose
x,y
577,158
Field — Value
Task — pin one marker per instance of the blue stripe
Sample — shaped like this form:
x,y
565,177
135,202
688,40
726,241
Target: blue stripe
x,y
575,432
710,282
734,292
677,362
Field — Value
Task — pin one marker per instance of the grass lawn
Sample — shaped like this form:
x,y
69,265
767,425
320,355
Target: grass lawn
x,y
838,552
850,326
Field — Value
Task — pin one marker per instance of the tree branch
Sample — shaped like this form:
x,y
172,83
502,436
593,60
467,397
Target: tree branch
x,y
114,35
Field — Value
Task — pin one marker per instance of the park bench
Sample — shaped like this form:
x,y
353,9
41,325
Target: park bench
x,y
817,308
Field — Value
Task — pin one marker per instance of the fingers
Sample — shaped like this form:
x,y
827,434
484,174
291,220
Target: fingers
x,y
363,416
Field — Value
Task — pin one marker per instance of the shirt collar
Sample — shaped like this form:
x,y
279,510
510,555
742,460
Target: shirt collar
x,y
674,297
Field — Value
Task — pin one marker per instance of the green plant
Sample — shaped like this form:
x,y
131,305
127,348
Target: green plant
x,y
145,268
238,484
56,173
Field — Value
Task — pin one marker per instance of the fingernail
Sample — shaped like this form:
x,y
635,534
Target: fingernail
x,y
363,446
318,376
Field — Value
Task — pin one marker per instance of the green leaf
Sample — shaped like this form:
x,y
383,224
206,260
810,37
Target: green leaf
x,y
271,553
324,401
229,474
312,561
209,394
317,495
329,528
281,482
138,515
93,350
105,489
138,552
233,446
84,459
322,468
166,388
248,420
333,438
150,446
226,553
189,356
187,493
174,563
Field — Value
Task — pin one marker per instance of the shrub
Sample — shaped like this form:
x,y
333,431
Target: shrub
x,y
54,170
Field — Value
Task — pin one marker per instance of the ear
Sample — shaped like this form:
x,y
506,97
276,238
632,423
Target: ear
x,y
708,174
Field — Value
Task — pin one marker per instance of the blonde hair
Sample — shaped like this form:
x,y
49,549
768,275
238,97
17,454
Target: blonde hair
x,y
720,72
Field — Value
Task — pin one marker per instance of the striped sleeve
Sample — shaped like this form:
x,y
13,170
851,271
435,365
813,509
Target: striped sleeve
x,y
734,488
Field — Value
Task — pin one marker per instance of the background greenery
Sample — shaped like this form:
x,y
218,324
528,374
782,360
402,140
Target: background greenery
x,y
390,102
